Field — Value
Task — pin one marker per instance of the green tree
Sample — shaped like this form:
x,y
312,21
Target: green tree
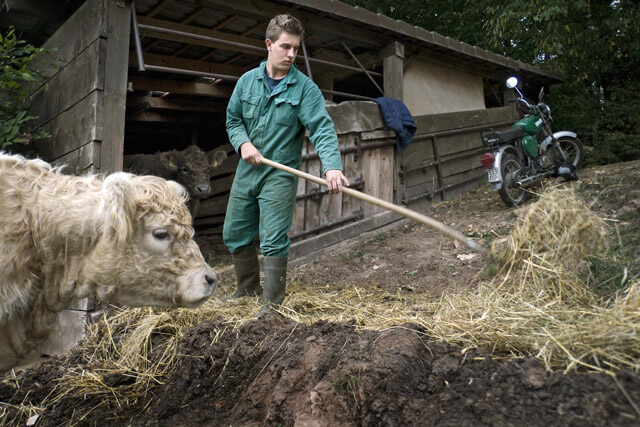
x,y
17,81
593,44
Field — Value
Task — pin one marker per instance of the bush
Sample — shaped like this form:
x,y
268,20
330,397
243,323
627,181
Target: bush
x,y
18,80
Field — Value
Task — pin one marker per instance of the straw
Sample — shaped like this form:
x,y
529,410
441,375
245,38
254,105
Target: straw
x,y
536,305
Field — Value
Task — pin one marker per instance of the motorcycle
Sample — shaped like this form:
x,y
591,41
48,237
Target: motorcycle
x,y
529,152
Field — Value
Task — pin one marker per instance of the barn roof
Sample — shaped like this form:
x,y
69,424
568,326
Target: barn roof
x,y
226,38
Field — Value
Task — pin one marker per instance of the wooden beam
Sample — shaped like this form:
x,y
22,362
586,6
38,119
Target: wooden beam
x,y
157,103
393,70
153,12
224,41
164,117
254,28
194,15
180,87
115,87
264,11
189,64
229,19
253,46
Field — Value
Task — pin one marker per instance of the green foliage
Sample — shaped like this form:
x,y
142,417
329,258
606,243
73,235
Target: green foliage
x,y
594,44
17,82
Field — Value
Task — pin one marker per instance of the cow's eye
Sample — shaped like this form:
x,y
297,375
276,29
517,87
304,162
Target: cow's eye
x,y
161,234
185,170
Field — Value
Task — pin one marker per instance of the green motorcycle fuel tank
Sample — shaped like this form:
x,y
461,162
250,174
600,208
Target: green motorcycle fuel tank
x,y
531,125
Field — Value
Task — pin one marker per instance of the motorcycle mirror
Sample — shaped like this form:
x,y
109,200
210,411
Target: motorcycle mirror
x,y
512,82
541,94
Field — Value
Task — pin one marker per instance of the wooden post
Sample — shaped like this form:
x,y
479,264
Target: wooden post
x,y
392,62
393,70
115,84
325,81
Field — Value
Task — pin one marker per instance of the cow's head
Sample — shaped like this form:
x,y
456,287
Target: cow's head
x,y
190,167
147,256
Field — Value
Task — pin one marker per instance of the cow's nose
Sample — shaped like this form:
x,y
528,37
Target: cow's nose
x,y
211,280
204,188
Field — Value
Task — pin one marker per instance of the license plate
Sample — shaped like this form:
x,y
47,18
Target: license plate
x,y
494,175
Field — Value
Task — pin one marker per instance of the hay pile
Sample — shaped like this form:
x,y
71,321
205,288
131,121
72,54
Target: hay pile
x,y
536,305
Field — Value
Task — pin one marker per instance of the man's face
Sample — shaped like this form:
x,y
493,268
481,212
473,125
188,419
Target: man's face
x,y
282,52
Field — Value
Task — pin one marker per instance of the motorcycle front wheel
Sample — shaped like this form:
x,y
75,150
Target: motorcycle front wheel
x,y
512,170
573,149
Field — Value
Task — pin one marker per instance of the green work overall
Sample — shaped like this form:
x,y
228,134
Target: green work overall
x,y
262,199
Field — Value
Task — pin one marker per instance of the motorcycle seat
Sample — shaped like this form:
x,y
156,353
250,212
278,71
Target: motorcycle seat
x,y
493,137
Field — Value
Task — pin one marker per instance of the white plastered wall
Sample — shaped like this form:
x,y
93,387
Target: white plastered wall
x,y
434,89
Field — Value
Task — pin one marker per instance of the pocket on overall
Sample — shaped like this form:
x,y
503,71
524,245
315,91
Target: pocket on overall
x,y
287,111
250,105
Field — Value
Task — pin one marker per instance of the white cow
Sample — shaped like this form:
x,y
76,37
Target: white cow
x,y
123,238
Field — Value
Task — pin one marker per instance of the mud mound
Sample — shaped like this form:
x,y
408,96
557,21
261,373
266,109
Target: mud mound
x,y
274,371
277,372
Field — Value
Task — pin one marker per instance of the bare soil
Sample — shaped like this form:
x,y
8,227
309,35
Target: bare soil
x,y
274,371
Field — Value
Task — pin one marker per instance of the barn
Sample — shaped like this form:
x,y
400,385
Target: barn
x,y
152,75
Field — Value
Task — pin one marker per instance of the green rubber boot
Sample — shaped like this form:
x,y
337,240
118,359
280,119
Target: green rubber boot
x,y
245,262
275,281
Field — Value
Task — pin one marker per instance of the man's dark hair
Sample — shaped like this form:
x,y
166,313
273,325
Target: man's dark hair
x,y
284,22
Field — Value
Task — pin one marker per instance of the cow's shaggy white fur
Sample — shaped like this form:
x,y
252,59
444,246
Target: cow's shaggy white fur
x,y
123,238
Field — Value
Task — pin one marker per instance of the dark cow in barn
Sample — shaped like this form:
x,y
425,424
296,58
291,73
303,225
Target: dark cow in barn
x,y
123,238
190,167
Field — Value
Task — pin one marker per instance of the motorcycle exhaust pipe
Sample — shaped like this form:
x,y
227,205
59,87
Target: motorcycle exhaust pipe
x,y
530,179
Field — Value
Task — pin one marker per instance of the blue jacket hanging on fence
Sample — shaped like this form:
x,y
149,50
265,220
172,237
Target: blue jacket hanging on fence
x,y
396,115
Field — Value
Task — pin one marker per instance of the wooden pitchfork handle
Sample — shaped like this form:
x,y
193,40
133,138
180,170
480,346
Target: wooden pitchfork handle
x,y
436,225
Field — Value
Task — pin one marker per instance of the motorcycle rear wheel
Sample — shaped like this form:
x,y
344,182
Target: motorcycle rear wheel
x,y
573,149
512,170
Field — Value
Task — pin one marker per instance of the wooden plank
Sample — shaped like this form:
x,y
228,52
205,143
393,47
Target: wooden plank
x,y
371,174
115,87
311,20
377,134
68,87
330,207
352,170
311,218
394,71
254,46
71,129
386,173
421,177
448,121
297,225
191,105
164,117
209,221
178,87
84,27
228,166
189,64
316,243
453,144
221,185
79,161
213,206
417,153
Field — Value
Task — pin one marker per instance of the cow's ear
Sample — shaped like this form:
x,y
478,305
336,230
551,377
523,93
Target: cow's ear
x,y
167,160
216,157
119,205
177,189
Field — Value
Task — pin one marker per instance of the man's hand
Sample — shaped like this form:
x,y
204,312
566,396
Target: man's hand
x,y
250,153
335,178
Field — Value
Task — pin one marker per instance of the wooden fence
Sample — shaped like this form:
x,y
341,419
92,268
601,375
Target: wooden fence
x,y
441,163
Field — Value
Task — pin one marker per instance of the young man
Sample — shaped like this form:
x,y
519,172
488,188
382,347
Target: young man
x,y
269,110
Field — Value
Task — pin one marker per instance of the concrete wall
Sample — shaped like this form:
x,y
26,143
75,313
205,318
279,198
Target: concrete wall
x,y
436,89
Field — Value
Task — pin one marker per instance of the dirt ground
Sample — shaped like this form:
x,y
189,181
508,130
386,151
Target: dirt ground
x,y
275,371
